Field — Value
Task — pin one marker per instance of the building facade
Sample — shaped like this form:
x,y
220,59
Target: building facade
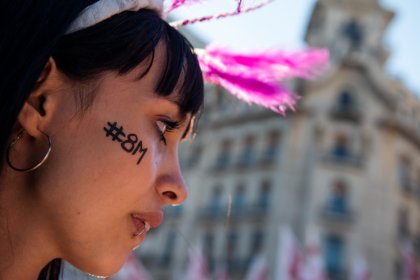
x,y
344,169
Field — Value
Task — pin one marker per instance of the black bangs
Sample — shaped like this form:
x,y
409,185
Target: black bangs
x,y
182,72
127,40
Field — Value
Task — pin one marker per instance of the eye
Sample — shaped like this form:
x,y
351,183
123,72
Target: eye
x,y
165,126
162,128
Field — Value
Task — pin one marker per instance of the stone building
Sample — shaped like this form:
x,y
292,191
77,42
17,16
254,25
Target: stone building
x,y
345,167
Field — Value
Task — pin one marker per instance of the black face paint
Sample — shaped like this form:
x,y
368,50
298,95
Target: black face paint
x,y
131,144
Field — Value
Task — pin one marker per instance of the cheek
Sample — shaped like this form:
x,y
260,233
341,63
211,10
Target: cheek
x,y
91,185
98,167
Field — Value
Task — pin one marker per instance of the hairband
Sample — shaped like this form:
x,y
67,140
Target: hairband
x,y
252,77
104,9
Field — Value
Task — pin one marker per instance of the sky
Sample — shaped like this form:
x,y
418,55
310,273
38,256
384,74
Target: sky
x,y
283,23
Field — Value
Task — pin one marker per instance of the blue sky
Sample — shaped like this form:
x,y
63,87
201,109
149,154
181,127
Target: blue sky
x,y
283,22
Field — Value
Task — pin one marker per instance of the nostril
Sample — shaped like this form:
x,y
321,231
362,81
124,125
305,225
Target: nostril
x,y
171,195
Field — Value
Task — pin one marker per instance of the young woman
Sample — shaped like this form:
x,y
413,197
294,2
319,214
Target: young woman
x,y
92,114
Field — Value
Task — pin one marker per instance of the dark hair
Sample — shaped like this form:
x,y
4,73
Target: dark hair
x,y
29,31
123,42
118,44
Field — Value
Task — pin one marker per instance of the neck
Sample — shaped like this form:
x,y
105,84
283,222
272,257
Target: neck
x,y
24,246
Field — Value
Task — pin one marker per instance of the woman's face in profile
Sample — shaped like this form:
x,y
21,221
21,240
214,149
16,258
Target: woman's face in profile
x,y
111,170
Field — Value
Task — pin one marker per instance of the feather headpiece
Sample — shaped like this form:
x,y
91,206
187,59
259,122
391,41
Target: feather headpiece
x,y
255,77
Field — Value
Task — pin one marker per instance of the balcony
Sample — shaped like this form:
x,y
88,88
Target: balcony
x,y
409,186
346,113
337,214
345,159
269,156
406,185
245,161
235,265
247,211
337,274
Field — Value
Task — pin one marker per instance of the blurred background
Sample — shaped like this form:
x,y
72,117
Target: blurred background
x,y
331,191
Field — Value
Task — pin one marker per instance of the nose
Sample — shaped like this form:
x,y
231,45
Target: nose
x,y
172,189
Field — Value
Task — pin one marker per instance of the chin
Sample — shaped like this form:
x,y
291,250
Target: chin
x,y
100,267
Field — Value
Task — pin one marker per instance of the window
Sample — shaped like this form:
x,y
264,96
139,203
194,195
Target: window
x,y
403,224
215,206
257,242
238,204
232,244
208,247
404,173
223,159
208,243
168,249
345,107
334,253
231,248
345,101
264,195
338,202
353,31
195,156
174,210
219,96
341,150
416,185
271,151
247,156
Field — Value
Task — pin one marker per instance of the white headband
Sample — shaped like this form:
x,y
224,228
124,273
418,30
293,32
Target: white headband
x,y
104,9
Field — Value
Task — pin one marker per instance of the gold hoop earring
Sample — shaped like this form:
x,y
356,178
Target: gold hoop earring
x,y
44,158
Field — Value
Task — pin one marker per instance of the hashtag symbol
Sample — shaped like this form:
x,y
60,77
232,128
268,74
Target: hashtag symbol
x,y
114,131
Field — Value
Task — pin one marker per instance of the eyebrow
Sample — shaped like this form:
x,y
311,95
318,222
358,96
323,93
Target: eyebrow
x,y
180,116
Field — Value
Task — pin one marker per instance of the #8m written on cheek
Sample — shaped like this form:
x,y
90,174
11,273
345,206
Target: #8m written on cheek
x,y
130,143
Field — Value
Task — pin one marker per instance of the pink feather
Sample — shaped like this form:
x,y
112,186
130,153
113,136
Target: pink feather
x,y
256,77
238,11
175,4
239,7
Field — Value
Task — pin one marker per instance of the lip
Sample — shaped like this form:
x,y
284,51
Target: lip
x,y
154,219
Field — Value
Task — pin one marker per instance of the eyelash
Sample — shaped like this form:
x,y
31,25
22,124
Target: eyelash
x,y
169,127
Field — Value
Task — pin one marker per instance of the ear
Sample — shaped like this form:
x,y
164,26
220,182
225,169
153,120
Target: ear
x,y
35,112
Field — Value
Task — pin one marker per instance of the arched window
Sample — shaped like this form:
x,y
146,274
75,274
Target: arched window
x,y
354,32
334,254
346,101
346,106
341,149
338,200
